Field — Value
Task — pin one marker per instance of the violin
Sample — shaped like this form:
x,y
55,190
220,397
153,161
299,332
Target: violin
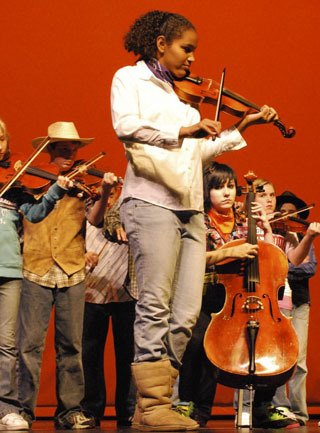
x,y
7,168
92,174
37,179
23,167
28,180
84,170
262,346
41,180
288,222
196,90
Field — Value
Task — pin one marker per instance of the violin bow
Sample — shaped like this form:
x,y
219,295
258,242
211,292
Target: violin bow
x,y
292,213
219,100
23,168
82,168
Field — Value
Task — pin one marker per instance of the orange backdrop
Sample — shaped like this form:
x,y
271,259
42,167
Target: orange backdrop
x,y
57,62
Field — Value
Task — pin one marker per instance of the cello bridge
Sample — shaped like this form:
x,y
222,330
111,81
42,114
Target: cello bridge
x,y
252,304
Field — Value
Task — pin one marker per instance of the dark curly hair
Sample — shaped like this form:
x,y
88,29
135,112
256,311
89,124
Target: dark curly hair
x,y
141,38
215,176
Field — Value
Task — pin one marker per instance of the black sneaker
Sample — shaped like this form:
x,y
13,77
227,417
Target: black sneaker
x,y
124,422
201,420
74,421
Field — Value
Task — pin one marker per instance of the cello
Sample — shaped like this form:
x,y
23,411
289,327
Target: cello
x,y
250,342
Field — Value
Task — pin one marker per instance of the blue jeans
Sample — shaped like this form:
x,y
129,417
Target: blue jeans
x,y
34,316
10,291
297,401
168,250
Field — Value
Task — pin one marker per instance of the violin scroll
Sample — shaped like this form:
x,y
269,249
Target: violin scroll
x,y
287,133
250,177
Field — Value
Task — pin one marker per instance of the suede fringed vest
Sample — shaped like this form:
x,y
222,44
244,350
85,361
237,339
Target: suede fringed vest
x,y
59,238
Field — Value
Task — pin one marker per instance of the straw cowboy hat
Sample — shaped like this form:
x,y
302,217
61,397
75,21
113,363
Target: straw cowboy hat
x,y
62,131
289,197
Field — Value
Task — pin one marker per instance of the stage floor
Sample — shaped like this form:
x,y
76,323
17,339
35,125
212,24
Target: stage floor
x,y
213,426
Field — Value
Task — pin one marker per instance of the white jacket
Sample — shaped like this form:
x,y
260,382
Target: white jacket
x,y
147,110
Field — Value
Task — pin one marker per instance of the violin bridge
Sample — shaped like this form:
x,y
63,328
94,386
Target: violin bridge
x,y
252,304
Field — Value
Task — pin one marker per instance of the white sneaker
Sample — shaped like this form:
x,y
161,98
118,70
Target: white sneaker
x,y
244,421
287,412
13,421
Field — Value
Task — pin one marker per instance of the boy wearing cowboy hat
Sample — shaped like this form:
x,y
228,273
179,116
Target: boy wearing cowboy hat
x,y
298,277
54,273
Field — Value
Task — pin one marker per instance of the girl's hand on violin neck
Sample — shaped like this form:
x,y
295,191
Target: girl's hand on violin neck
x,y
64,182
313,230
265,115
205,128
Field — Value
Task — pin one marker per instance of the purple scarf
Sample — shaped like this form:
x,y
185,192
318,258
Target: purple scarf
x,y
160,71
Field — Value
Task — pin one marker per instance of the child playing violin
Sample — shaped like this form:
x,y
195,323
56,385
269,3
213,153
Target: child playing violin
x,y
15,204
295,402
295,302
264,413
164,225
295,249
54,273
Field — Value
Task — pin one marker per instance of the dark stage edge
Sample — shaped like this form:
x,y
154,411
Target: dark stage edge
x,y
213,426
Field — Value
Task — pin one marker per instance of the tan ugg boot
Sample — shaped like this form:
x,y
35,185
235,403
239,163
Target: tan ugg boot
x,y
154,382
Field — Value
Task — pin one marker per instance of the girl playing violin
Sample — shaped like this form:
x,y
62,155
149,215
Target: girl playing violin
x,y
264,414
301,261
298,278
165,226
296,251
14,204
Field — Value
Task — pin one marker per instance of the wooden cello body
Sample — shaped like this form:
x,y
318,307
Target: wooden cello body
x,y
250,341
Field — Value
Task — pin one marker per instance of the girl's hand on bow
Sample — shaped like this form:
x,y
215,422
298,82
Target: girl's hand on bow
x,y
259,214
204,128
